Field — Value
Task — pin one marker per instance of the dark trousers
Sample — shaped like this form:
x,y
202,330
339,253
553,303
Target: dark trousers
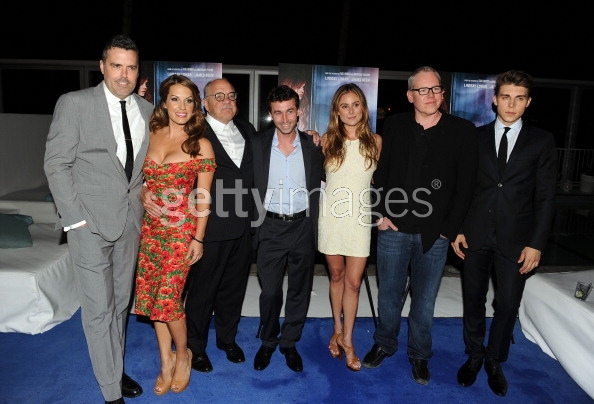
x,y
285,246
217,285
509,287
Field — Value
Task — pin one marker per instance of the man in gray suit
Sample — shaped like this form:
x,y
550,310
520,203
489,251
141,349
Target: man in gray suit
x,y
99,205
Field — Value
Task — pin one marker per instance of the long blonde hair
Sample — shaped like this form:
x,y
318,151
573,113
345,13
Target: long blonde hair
x,y
334,150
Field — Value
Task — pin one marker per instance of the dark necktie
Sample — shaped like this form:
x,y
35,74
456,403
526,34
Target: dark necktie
x,y
129,146
502,156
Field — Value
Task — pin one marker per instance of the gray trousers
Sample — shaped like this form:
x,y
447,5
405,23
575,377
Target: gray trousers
x,y
104,273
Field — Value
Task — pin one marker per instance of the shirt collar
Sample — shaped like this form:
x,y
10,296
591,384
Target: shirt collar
x,y
113,100
516,126
216,125
296,142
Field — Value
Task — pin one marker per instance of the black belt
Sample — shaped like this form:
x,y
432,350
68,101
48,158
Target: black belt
x,y
294,216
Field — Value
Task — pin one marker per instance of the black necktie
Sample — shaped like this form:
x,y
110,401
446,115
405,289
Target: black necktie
x,y
502,156
129,146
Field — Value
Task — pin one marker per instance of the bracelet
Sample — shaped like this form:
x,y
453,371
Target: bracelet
x,y
195,239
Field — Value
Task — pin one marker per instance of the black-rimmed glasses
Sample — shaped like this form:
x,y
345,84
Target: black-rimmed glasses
x,y
425,90
232,96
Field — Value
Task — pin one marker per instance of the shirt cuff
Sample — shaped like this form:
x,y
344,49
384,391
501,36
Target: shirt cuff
x,y
75,225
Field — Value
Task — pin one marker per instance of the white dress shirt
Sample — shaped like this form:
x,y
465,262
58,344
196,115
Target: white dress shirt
x,y
230,138
135,121
512,135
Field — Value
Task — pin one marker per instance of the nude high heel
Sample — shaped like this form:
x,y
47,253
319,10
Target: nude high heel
x,y
352,361
333,346
180,384
163,386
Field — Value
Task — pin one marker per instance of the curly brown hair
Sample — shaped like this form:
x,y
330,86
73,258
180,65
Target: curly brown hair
x,y
194,128
335,136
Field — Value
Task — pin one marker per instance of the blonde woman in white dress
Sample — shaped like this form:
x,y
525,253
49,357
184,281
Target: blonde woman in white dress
x,y
351,152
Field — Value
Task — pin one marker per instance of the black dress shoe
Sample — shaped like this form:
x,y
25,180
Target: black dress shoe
x,y
233,351
130,388
293,358
201,363
375,357
496,378
262,359
420,370
467,373
118,401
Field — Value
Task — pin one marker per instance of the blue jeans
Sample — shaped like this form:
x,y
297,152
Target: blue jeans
x,y
395,252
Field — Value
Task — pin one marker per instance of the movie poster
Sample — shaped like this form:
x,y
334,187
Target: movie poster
x,y
472,97
316,84
199,73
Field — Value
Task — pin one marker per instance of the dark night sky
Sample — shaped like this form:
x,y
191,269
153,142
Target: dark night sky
x,y
547,42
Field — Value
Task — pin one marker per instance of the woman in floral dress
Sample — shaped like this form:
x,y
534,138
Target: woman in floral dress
x,y
178,157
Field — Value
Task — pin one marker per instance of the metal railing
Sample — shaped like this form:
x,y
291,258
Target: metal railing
x,y
572,163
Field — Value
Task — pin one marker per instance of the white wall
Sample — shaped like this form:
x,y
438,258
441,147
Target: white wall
x,y
22,147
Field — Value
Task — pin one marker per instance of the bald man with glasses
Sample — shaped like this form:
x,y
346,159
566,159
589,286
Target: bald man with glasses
x,y
217,283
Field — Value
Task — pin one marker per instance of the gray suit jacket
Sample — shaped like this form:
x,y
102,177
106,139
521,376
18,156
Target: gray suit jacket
x,y
85,176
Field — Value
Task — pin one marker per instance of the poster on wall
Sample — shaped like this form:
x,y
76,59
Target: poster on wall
x,y
199,73
316,84
472,97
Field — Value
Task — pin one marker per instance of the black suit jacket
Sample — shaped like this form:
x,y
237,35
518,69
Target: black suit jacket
x,y
446,176
229,218
313,162
521,202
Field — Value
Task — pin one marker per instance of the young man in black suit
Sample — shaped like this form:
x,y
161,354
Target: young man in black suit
x,y
287,178
506,227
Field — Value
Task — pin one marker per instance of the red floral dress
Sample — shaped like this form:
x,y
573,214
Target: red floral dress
x,y
162,266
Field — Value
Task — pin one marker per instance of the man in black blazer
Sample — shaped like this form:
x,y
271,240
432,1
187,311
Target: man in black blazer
x,y
506,227
425,178
287,178
217,283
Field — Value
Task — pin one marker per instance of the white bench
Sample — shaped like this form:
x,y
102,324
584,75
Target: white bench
x,y
37,285
561,325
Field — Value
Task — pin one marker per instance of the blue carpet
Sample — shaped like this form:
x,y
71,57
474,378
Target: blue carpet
x,y
54,367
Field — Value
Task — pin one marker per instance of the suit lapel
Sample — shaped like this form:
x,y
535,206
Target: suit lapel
x,y
492,150
104,127
306,151
247,150
219,151
521,144
266,151
139,160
